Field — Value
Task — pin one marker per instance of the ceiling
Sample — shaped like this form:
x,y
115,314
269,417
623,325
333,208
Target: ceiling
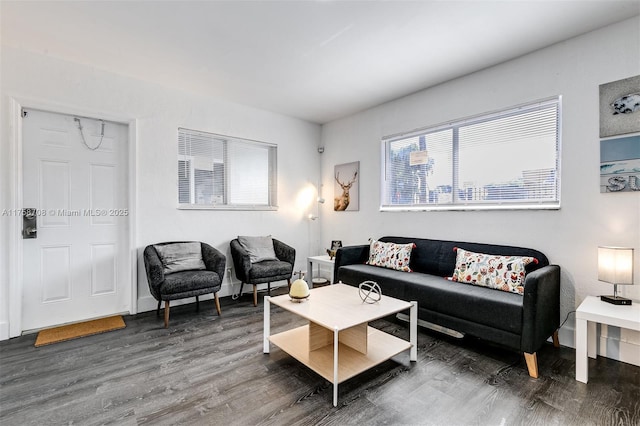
x,y
316,60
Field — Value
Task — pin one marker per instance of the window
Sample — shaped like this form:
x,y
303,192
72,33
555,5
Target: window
x,y
509,159
223,172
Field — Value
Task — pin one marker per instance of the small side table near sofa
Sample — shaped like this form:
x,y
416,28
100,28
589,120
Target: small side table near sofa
x,y
590,312
318,260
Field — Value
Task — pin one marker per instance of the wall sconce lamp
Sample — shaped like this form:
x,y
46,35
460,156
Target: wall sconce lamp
x,y
615,266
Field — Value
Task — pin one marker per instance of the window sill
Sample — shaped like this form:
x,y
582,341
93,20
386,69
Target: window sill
x,y
226,207
469,207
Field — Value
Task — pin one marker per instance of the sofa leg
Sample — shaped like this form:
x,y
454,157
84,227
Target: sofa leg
x,y
269,289
215,296
255,295
532,364
556,341
289,283
158,310
197,304
166,314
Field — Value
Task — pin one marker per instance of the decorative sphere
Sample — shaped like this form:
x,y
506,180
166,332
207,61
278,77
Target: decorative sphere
x,y
370,292
299,290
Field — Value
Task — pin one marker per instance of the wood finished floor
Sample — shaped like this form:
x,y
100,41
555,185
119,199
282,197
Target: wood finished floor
x,y
207,370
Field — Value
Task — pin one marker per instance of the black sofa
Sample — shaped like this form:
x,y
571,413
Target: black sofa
x,y
519,322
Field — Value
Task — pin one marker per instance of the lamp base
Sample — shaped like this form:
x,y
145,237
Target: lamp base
x,y
616,300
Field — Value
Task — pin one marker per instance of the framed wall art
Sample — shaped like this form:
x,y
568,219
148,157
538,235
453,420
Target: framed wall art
x,y
620,107
620,164
346,187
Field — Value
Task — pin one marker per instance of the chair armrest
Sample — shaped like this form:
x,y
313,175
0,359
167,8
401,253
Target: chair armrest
x,y
155,270
213,259
241,260
350,255
284,252
541,314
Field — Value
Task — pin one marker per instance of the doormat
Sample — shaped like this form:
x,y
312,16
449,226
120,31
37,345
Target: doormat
x,y
82,329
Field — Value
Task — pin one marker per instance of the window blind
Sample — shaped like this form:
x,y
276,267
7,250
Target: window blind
x,y
225,172
508,159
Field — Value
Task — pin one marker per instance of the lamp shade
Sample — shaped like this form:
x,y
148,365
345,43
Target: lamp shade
x,y
615,265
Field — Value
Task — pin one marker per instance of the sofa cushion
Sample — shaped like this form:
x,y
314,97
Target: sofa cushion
x,y
176,257
482,305
259,248
504,273
390,255
391,282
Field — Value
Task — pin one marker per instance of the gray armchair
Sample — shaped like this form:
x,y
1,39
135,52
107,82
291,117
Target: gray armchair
x,y
266,271
173,275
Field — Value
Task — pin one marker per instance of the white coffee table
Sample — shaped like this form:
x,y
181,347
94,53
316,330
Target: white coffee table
x,y
338,342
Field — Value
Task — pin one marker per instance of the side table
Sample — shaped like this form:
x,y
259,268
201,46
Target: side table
x,y
590,312
318,260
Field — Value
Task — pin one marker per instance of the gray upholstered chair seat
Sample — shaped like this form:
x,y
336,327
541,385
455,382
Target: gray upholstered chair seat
x,y
190,283
164,284
270,270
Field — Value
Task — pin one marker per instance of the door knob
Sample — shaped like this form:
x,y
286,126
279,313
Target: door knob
x,y
29,224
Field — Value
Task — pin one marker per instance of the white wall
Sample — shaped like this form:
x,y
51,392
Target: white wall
x,y
569,236
34,78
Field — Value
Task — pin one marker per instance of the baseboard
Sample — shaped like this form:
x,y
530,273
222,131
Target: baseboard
x,y
619,343
613,343
566,337
619,350
149,303
4,331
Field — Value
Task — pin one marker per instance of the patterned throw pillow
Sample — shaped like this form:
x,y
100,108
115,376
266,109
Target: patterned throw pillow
x,y
504,273
390,255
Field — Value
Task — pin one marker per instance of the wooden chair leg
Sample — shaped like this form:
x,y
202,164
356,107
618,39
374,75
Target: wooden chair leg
x,y
556,341
166,314
255,295
215,296
532,364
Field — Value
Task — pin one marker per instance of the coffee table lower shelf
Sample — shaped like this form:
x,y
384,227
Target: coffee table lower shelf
x,y
381,347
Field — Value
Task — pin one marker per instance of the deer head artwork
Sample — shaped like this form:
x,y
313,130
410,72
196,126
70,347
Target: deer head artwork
x,y
342,202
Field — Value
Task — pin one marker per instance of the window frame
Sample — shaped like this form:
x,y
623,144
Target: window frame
x,y
272,185
457,204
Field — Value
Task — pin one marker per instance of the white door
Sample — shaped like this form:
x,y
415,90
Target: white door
x,y
76,267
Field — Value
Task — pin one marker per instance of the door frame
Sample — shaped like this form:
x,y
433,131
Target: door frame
x,y
15,259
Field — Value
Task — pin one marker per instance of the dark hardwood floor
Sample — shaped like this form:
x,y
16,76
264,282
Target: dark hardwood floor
x,y
207,370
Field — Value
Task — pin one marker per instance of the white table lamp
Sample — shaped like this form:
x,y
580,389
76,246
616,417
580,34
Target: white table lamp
x,y
615,266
